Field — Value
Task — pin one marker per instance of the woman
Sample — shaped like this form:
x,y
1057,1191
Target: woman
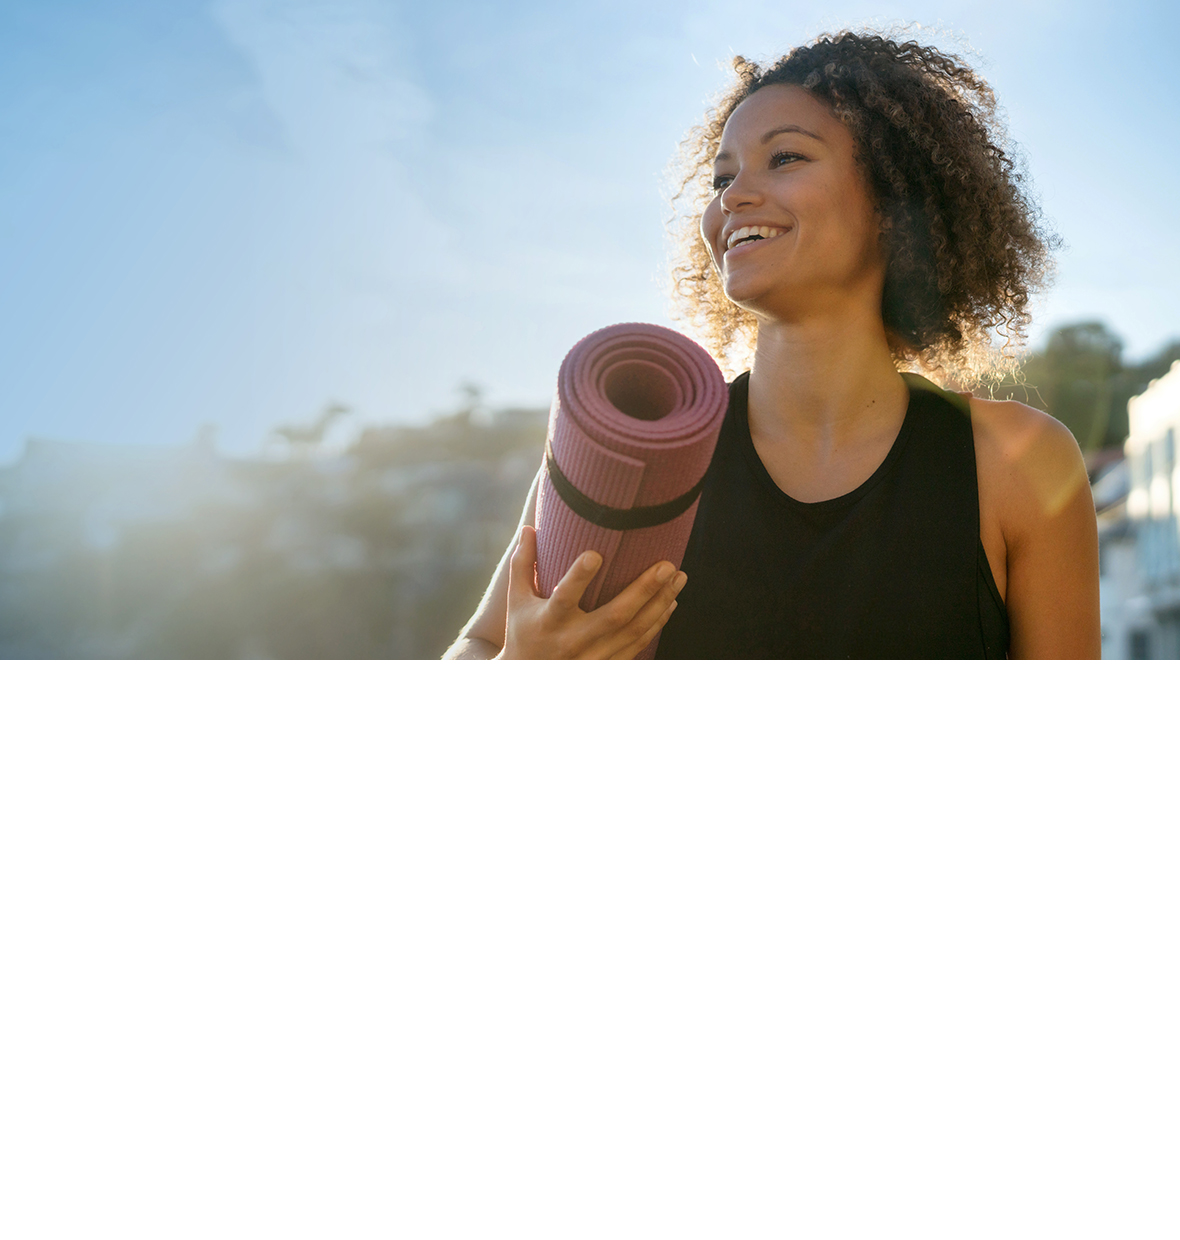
x,y
860,214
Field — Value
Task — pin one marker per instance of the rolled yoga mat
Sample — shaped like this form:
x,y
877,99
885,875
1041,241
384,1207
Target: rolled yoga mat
x,y
631,433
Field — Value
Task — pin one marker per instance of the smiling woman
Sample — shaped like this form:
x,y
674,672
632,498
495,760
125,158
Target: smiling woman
x,y
966,248
851,216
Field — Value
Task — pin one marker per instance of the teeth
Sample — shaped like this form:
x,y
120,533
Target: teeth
x,y
761,230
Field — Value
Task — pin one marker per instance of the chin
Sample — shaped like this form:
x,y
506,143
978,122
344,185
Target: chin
x,y
749,291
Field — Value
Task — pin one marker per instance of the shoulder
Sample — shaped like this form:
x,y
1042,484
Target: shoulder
x,y
1027,460
1034,490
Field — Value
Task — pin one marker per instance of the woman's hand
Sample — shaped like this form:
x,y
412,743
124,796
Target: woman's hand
x,y
557,628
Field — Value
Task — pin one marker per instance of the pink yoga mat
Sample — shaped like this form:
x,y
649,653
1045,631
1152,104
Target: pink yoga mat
x,y
631,432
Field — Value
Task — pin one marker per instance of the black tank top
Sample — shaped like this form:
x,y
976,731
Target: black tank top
x,y
893,570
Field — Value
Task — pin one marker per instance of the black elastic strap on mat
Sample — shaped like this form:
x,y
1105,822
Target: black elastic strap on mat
x,y
616,518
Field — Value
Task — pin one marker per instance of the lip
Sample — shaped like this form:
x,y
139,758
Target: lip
x,y
727,254
735,225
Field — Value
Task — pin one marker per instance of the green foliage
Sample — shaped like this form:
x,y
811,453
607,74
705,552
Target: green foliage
x,y
1079,376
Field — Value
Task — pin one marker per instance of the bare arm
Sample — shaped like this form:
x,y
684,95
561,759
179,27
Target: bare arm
x,y
1032,468
482,637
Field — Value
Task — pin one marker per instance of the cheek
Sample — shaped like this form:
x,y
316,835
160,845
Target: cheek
x,y
863,221
848,226
711,225
872,242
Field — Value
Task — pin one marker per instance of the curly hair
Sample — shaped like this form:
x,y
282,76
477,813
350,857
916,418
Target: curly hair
x,y
966,247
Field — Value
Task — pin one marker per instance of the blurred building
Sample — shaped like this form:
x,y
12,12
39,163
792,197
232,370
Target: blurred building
x,y
379,550
1118,575
1139,540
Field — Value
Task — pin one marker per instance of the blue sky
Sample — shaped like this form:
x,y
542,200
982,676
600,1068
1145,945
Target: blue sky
x,y
237,211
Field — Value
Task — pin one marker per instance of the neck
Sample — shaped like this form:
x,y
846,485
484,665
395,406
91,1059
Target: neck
x,y
831,379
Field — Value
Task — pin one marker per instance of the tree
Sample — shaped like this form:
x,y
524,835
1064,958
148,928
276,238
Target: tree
x,y
1079,377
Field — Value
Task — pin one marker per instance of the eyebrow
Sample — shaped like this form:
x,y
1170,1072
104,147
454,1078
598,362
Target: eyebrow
x,y
774,133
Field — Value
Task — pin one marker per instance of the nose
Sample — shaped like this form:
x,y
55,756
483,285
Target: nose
x,y
741,192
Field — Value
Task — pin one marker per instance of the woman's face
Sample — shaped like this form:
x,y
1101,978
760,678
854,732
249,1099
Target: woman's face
x,y
786,169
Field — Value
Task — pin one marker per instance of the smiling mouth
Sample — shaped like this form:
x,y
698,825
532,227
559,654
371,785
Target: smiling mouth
x,y
744,238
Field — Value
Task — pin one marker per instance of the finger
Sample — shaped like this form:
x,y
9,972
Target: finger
x,y
656,607
522,568
569,590
654,612
630,620
635,648
627,604
638,631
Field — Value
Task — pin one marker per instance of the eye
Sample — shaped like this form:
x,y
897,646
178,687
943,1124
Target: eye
x,y
780,159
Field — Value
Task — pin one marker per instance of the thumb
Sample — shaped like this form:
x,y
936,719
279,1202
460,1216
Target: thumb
x,y
522,568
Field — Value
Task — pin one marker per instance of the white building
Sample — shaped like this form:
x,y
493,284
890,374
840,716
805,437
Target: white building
x,y
1141,576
